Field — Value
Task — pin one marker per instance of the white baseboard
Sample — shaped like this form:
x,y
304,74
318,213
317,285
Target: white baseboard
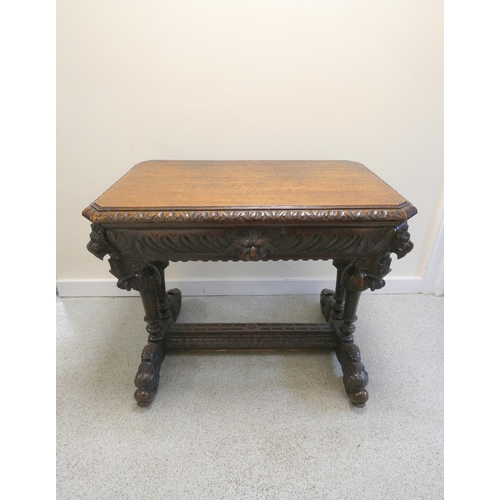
x,y
191,287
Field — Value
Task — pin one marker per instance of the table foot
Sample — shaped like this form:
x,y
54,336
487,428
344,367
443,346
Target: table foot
x,y
355,377
148,375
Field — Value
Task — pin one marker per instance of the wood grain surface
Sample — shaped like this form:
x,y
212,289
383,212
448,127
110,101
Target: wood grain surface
x,y
272,184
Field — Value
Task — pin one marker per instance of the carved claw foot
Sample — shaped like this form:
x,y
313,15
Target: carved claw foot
x,y
148,374
355,376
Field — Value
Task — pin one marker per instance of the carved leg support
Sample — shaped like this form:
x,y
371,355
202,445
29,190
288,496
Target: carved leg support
x,y
148,374
355,377
161,310
339,309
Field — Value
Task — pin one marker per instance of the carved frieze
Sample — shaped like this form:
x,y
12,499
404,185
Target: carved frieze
x,y
250,244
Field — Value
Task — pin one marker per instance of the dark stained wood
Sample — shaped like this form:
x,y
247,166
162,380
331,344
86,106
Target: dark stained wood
x,y
355,377
254,244
148,374
223,336
168,211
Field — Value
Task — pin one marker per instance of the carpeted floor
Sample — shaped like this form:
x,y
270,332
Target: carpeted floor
x,y
250,425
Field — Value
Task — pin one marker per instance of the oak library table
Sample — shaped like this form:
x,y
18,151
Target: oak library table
x,y
169,211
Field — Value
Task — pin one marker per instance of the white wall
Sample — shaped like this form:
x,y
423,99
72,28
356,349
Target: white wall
x,y
259,79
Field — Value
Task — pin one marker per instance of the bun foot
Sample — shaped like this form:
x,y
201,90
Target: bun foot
x,y
143,397
359,398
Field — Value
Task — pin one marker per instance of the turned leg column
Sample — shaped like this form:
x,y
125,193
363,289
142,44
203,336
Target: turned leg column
x,y
169,301
339,295
349,317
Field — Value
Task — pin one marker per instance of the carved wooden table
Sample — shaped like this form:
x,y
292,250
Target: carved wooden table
x,y
168,211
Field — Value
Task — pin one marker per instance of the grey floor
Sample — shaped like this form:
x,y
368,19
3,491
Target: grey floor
x,y
250,426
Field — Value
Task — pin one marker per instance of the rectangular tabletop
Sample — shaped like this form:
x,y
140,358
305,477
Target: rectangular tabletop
x,y
160,187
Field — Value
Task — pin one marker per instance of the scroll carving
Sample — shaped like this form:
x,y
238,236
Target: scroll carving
x,y
148,374
355,377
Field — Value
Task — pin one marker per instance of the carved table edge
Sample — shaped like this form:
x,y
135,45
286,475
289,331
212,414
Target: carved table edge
x,y
96,214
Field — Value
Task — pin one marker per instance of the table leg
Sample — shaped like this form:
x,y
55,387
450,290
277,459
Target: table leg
x,y
355,376
339,309
161,309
